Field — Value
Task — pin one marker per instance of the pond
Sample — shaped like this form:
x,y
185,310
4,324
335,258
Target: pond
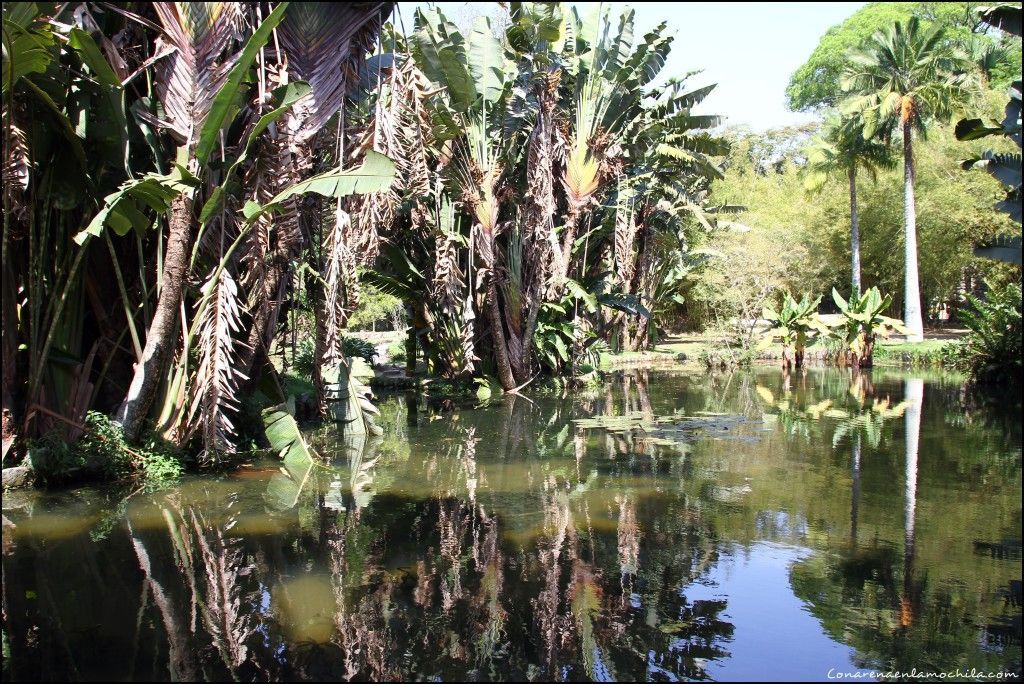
x,y
661,526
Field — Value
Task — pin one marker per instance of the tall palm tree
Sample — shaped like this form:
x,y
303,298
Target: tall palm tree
x,y
842,149
901,79
203,37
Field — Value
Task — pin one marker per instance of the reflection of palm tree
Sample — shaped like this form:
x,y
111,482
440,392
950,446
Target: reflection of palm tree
x,y
914,398
181,655
855,494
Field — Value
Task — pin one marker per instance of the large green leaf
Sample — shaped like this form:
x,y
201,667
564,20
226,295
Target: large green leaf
x,y
1006,168
224,107
286,439
375,175
972,129
630,303
284,97
109,123
26,45
578,291
486,61
126,208
1005,17
1006,249
440,53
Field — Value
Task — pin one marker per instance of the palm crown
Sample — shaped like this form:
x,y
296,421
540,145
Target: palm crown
x,y
906,74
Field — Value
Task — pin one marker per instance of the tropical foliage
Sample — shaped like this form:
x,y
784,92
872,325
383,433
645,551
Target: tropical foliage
x,y
192,153
795,324
525,193
863,323
1006,168
901,79
842,149
993,349
549,184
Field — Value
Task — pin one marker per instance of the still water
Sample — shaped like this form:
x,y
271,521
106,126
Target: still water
x,y
662,526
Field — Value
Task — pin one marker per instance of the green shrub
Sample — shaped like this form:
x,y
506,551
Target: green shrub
x,y
302,364
396,351
992,350
103,452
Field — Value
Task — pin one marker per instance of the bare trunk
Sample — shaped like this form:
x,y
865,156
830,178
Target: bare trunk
x,y
498,339
854,233
521,365
9,343
638,332
162,334
912,287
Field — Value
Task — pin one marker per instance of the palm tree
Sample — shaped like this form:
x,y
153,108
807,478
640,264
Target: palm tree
x,y
842,149
900,80
202,36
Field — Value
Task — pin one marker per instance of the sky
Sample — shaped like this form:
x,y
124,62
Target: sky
x,y
749,49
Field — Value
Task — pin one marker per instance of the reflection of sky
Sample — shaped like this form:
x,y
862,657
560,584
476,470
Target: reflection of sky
x,y
775,637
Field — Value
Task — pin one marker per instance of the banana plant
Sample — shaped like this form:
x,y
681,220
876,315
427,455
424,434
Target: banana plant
x,y
795,323
862,323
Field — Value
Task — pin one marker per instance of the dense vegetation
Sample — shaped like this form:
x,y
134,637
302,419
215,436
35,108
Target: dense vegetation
x,y
198,196
894,75
521,192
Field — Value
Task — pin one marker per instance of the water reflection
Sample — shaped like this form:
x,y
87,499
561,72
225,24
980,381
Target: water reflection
x,y
659,527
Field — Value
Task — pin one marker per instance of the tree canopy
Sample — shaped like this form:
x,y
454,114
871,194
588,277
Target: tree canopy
x,y
815,84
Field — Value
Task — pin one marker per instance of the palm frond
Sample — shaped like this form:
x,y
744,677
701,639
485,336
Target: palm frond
x,y
189,78
214,400
321,39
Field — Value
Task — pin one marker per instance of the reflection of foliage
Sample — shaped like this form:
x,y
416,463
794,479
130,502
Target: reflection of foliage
x,y
846,413
510,542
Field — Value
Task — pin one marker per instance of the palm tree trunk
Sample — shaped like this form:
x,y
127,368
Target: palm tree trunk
x,y
498,343
162,334
912,287
9,344
854,233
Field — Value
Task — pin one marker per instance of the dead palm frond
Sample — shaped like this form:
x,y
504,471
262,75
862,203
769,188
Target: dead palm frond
x,y
321,39
214,399
189,77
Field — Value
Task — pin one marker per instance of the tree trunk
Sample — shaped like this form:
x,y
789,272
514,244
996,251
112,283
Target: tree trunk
x,y
9,343
854,233
410,347
162,334
912,287
498,343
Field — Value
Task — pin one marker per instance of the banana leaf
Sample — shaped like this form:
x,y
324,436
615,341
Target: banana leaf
x,y
286,439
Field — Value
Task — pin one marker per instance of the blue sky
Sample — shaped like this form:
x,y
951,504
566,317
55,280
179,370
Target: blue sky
x,y
750,49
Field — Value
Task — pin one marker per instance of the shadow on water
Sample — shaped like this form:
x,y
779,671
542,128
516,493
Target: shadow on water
x,y
660,526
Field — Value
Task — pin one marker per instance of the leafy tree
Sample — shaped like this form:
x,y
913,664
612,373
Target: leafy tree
x,y
842,149
816,83
900,80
